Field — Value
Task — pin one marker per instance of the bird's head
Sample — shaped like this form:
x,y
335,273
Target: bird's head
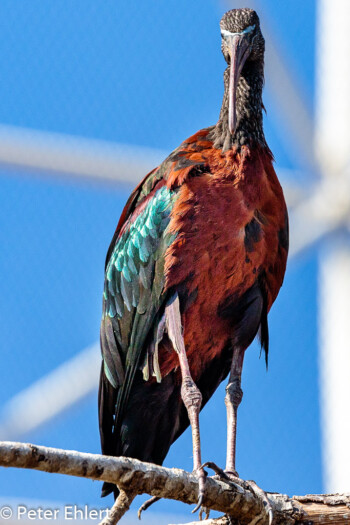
x,y
242,42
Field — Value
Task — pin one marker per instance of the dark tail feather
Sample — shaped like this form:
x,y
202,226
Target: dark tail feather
x,y
106,401
108,488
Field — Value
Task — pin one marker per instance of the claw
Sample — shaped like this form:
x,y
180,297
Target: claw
x,y
146,505
270,516
261,494
199,504
201,486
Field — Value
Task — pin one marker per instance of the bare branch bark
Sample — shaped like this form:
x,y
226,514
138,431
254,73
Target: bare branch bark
x,y
120,507
136,477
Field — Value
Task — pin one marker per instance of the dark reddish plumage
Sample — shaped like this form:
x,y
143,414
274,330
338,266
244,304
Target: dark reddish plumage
x,y
215,254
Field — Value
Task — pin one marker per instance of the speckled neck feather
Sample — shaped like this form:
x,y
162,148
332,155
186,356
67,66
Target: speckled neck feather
x,y
249,108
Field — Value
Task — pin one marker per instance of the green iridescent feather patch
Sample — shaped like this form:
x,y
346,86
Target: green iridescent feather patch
x,y
134,283
127,268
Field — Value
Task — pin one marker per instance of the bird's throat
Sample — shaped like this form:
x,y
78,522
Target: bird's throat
x,y
249,128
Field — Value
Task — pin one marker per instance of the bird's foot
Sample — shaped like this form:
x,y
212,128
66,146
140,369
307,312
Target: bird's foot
x,y
146,505
201,474
232,478
228,477
205,511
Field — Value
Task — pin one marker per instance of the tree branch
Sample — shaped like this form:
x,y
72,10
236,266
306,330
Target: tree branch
x,y
136,477
120,507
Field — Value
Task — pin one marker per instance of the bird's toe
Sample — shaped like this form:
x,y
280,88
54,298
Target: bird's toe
x,y
146,505
226,476
231,477
261,494
201,474
256,490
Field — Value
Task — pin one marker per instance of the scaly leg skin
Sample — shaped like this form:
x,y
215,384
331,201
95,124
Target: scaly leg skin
x,y
233,399
190,394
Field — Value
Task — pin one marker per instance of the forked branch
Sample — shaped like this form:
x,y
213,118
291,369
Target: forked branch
x,y
136,477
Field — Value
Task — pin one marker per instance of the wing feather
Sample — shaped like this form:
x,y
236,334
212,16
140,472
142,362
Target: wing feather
x,y
134,292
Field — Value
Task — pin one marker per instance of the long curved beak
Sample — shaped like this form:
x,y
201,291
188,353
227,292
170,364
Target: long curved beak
x,y
239,49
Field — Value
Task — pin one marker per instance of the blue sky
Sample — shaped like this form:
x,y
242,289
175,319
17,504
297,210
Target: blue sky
x,y
145,74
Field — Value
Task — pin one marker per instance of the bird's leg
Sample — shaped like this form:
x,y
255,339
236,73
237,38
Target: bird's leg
x,y
190,393
233,399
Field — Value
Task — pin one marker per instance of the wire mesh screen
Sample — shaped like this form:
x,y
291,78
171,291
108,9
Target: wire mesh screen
x,y
92,96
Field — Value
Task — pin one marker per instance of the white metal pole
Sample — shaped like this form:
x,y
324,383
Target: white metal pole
x,y
333,86
50,395
75,157
334,317
333,152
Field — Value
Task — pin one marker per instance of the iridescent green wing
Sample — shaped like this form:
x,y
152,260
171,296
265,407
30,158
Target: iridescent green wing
x,y
133,293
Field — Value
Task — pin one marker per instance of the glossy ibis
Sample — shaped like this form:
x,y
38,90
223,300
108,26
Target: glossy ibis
x,y
197,260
